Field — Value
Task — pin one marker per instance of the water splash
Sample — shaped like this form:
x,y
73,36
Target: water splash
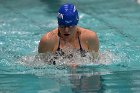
x,y
42,64
44,59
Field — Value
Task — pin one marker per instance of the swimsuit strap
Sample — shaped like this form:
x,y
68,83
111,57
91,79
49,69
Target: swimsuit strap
x,y
58,49
82,51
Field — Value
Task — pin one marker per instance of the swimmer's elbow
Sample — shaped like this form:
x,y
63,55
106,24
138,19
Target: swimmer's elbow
x,y
41,47
45,47
40,50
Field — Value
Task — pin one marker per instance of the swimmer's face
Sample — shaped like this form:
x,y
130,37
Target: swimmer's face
x,y
66,30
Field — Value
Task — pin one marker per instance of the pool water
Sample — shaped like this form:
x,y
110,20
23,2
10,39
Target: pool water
x,y
116,22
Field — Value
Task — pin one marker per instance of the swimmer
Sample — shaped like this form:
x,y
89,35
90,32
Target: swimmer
x,y
68,33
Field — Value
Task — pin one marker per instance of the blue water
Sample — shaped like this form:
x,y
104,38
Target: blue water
x,y
116,22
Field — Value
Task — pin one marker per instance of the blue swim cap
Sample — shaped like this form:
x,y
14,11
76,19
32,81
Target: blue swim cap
x,y
68,15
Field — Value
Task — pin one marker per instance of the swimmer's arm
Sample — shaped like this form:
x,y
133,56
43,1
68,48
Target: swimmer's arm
x,y
45,45
93,44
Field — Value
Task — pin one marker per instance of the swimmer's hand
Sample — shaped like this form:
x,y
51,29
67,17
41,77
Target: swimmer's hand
x,y
73,65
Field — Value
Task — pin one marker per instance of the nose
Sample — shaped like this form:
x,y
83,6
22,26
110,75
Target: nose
x,y
66,29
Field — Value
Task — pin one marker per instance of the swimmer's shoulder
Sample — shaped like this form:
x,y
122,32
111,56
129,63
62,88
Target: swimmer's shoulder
x,y
48,41
86,33
90,39
50,36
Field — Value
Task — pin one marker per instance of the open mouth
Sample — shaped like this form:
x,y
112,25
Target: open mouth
x,y
66,34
